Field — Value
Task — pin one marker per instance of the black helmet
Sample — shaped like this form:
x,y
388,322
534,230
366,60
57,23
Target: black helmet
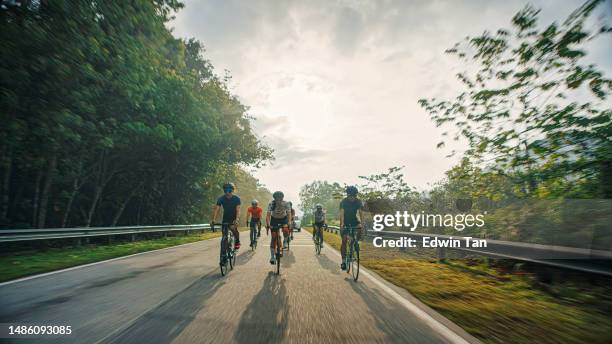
x,y
318,206
228,185
351,190
290,204
278,195
254,202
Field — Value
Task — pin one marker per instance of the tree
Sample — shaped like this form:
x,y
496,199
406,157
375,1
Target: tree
x,y
531,108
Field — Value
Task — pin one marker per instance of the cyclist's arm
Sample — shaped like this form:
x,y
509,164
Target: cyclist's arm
x,y
290,220
237,214
248,217
215,213
341,215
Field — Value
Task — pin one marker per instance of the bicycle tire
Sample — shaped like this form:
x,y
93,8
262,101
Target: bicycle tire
x,y
355,262
317,247
223,258
349,259
231,253
278,259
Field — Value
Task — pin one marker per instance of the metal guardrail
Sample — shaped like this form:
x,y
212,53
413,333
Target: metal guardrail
x,y
21,235
571,258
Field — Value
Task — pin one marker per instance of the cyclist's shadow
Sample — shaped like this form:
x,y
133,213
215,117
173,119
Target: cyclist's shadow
x,y
266,317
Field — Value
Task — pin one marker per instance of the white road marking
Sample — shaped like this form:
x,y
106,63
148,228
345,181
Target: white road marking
x,y
419,313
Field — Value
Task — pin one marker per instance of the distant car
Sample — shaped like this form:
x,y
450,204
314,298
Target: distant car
x,y
297,224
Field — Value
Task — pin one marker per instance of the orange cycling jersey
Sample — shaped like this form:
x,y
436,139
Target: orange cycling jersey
x,y
255,212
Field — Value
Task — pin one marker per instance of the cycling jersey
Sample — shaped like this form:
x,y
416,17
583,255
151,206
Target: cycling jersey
x,y
255,212
229,207
319,216
350,210
279,210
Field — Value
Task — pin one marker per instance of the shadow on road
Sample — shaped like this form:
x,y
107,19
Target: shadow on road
x,y
392,319
329,264
245,257
266,318
287,260
165,322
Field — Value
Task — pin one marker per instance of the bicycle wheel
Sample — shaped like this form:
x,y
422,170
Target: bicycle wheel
x,y
349,258
223,261
231,253
355,261
278,258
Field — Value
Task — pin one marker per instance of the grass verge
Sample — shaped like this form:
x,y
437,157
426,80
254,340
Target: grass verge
x,y
30,263
492,305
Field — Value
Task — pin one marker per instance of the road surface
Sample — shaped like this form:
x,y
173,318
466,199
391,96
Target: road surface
x,y
178,295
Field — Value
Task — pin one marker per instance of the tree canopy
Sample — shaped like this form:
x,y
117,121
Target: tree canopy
x,y
108,119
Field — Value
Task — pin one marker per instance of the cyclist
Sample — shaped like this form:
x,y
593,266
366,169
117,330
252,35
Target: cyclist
x,y
254,219
319,223
231,211
278,215
349,207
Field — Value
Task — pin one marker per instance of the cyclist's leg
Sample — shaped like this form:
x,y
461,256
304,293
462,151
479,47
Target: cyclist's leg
x,y
343,246
320,233
258,228
236,233
273,243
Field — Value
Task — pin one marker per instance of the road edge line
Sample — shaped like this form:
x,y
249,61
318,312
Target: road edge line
x,y
427,318
27,278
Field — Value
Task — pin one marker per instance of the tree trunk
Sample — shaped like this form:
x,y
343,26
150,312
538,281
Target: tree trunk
x,y
73,193
102,179
77,183
44,199
122,207
35,200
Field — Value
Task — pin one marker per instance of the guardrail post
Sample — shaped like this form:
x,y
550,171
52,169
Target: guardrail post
x,y
110,239
77,242
133,237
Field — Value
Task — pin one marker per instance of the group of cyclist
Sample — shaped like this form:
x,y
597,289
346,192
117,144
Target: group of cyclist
x,y
280,215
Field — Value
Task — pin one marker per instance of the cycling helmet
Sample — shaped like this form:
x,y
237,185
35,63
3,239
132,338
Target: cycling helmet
x,y
290,205
278,195
318,206
351,190
229,186
254,202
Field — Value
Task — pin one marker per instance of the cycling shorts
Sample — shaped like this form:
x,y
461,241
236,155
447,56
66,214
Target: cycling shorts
x,y
275,223
319,224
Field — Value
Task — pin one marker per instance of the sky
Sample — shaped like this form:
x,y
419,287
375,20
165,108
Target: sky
x,y
333,85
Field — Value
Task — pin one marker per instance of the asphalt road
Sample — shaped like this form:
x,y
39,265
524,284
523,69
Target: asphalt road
x,y
178,295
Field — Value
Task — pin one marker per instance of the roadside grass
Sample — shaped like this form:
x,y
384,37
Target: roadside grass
x,y
23,264
492,305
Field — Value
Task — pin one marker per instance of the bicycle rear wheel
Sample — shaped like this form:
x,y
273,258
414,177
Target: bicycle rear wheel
x,y
231,253
278,258
355,261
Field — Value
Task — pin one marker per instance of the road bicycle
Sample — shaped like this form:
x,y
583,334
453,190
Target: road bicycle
x,y
277,244
318,240
227,256
351,258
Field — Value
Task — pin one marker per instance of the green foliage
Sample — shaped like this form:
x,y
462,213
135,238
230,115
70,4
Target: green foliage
x,y
532,108
324,193
108,119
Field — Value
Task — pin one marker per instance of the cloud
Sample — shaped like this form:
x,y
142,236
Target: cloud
x,y
334,84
